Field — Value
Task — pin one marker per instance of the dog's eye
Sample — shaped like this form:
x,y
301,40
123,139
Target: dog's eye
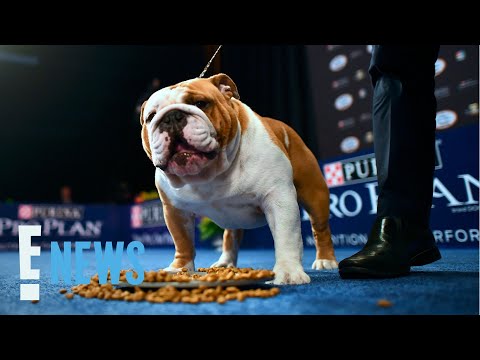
x,y
150,117
201,104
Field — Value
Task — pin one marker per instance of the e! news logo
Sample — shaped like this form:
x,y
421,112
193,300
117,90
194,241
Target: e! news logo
x,y
28,212
108,258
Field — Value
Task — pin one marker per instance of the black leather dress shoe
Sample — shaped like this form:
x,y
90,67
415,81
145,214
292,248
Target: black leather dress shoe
x,y
393,246
422,249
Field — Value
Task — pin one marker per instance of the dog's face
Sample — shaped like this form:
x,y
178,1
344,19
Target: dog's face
x,y
185,127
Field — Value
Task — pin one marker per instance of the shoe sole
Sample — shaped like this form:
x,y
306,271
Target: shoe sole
x,y
426,257
354,272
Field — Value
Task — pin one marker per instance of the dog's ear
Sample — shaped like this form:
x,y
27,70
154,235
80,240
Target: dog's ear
x,y
225,85
141,113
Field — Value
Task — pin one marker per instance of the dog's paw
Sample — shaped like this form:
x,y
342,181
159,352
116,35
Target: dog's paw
x,y
225,260
173,267
290,274
222,263
321,264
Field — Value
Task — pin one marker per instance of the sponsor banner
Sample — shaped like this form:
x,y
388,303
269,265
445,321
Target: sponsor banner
x,y
353,196
361,168
342,94
64,223
148,224
454,216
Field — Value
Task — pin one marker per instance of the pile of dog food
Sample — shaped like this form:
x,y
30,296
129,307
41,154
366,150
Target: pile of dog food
x,y
170,293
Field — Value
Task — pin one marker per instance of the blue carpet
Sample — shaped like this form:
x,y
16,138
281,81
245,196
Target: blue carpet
x,y
449,286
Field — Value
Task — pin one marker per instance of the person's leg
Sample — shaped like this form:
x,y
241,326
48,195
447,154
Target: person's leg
x,y
404,109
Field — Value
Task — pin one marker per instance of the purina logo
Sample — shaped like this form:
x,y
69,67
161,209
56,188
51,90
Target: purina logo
x,y
359,75
350,144
25,212
333,47
28,212
340,83
361,169
465,84
472,109
460,55
338,63
136,216
440,66
446,119
350,171
147,215
343,102
442,92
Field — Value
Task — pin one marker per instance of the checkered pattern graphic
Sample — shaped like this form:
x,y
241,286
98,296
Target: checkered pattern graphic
x,y
136,216
25,212
333,173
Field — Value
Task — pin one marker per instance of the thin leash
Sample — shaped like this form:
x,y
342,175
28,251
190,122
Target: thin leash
x,y
208,64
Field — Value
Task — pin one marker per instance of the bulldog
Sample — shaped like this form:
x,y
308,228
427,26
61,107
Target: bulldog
x,y
216,157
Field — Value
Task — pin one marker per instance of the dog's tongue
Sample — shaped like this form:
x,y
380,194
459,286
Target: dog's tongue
x,y
183,147
187,160
183,153
181,158
187,163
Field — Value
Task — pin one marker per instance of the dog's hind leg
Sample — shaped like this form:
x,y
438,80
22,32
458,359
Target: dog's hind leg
x,y
313,195
315,199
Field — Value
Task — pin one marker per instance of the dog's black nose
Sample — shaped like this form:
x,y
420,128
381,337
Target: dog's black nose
x,y
173,116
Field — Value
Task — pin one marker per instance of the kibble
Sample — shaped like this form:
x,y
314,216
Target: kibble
x,y
219,294
384,303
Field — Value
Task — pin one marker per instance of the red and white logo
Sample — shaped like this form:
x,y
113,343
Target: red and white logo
x,y
333,174
25,212
136,216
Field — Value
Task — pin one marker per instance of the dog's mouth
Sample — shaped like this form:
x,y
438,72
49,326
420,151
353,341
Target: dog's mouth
x,y
185,159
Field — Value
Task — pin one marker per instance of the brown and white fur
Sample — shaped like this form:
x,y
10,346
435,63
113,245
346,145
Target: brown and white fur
x,y
216,157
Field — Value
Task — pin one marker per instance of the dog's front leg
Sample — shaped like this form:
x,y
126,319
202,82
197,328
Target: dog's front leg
x,y
283,216
181,225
